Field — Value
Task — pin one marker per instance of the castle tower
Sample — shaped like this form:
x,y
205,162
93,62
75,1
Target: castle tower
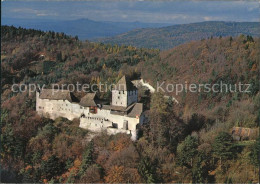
x,y
124,93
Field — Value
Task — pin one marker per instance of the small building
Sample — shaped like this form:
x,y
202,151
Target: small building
x,y
123,115
241,133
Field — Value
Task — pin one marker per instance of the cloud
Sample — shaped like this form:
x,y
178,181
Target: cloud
x,y
207,18
24,10
124,16
138,10
42,14
32,12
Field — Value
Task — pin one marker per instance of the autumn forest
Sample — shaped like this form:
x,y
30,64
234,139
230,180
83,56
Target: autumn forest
x,y
201,139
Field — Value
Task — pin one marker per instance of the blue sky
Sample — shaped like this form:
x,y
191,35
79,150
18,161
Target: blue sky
x,y
174,12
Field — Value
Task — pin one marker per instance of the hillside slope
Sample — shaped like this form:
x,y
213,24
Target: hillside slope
x,y
67,60
212,61
171,36
189,142
57,58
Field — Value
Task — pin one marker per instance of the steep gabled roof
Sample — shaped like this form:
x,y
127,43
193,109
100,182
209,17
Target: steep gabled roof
x,y
124,84
117,108
88,100
54,94
136,110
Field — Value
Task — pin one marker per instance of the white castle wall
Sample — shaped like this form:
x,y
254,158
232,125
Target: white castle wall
x,y
58,108
119,98
103,119
102,114
94,124
141,82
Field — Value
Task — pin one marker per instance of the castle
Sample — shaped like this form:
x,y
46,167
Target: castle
x,y
123,115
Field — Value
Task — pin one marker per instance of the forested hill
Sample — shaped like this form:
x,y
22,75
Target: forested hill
x,y
31,56
189,142
171,36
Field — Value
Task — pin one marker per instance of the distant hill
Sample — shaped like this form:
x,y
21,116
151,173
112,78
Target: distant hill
x,y
211,61
83,28
171,36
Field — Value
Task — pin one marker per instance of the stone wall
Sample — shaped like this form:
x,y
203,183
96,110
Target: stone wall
x,y
124,98
58,108
119,98
118,121
95,122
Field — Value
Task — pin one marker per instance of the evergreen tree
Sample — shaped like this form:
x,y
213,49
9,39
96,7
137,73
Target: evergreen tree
x,y
223,147
201,168
147,170
158,125
87,159
166,130
59,56
255,153
51,167
186,151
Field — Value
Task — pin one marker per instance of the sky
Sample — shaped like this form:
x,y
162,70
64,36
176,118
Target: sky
x,y
173,12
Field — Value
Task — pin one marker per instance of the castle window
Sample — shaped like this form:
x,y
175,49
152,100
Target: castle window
x,y
114,125
119,92
125,125
93,110
118,97
123,92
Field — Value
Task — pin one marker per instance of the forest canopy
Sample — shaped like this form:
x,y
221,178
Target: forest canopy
x,y
192,141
